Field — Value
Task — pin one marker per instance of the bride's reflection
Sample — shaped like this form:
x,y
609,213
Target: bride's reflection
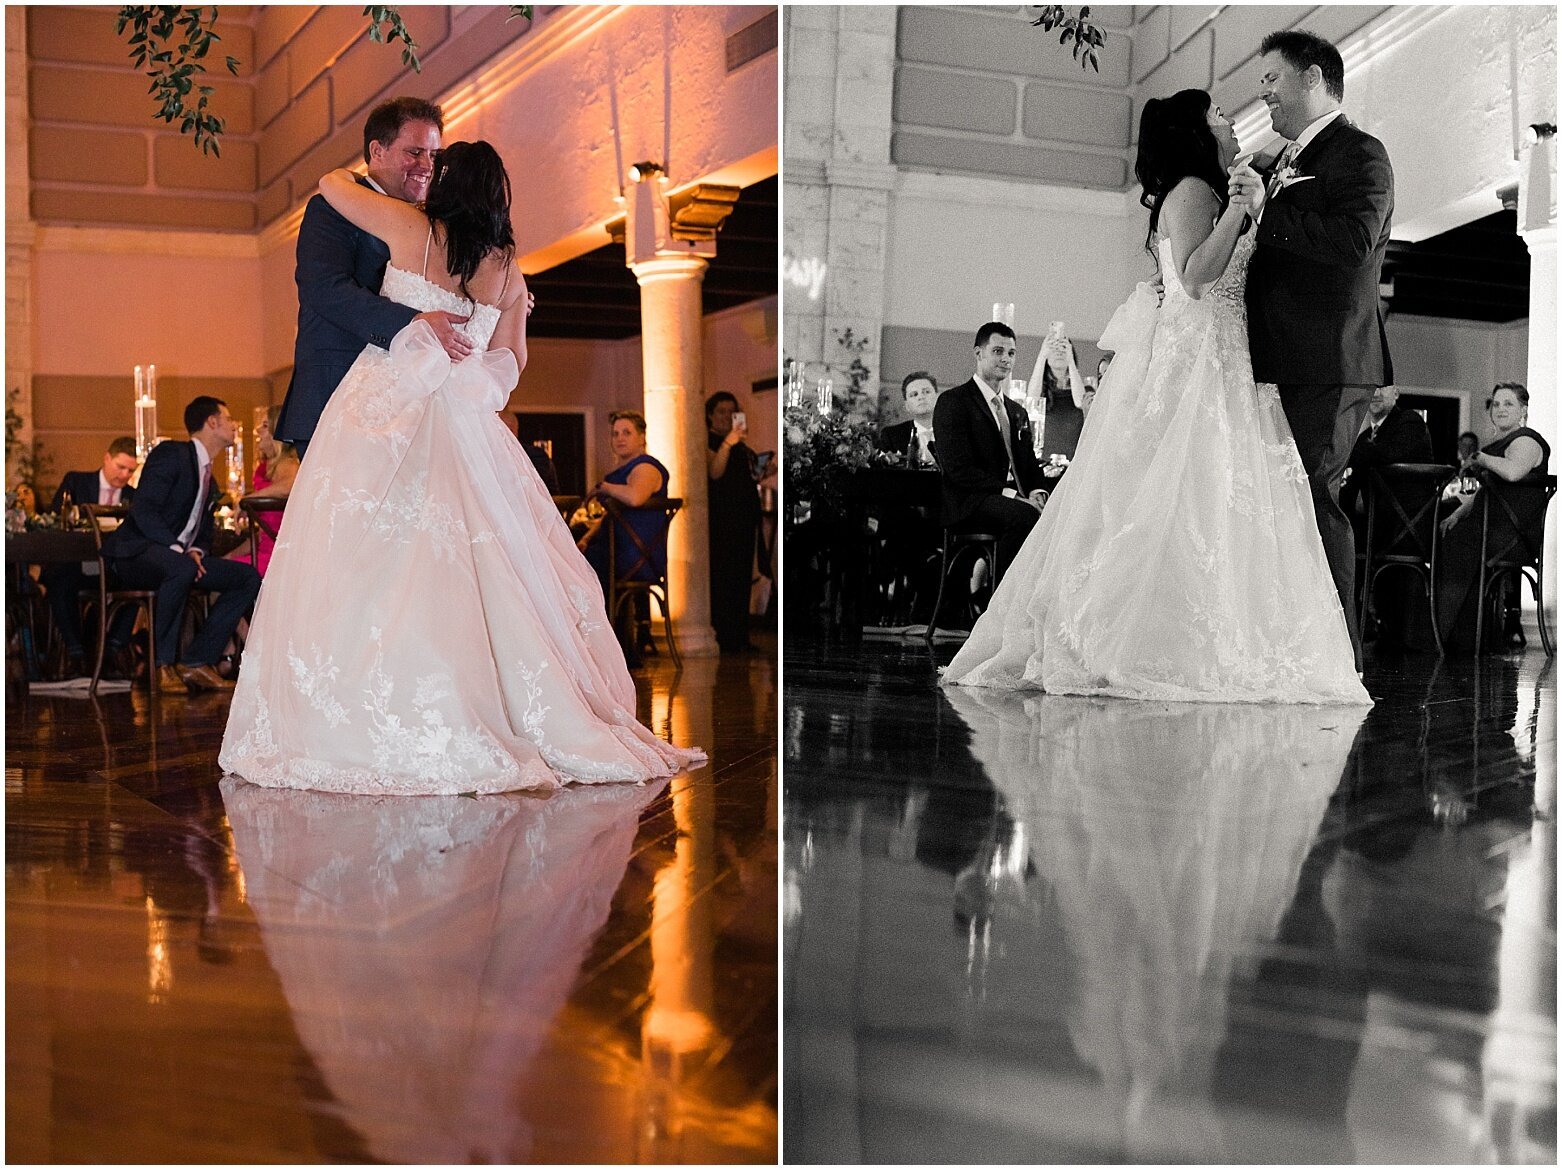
x,y
425,945
1170,839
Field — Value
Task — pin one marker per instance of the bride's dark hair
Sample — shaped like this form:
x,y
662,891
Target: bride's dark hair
x,y
1175,142
469,195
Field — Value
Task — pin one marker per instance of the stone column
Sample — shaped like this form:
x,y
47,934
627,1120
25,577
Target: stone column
x,y
1538,225
839,79
672,343
20,230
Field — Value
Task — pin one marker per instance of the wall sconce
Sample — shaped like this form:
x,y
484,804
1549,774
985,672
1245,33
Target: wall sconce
x,y
1540,130
641,171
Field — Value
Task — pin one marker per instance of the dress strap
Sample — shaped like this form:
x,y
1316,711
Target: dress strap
x,y
426,243
506,285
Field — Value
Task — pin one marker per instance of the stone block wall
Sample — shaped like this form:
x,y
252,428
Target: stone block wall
x,y
979,90
96,152
308,76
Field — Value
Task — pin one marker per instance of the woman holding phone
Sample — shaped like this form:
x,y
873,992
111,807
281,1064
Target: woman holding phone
x,y
734,520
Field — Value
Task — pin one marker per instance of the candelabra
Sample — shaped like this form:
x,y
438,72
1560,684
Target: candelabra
x,y
794,383
826,395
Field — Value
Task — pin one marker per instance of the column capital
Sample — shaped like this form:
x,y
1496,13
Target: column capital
x,y
669,268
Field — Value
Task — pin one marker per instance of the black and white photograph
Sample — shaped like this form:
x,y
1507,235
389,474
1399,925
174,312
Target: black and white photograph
x,y
1169,698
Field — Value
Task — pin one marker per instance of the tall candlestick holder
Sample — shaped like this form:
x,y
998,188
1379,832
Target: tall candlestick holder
x,y
794,383
146,411
826,395
236,467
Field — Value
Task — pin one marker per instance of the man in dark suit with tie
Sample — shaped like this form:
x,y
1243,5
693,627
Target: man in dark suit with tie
x,y
992,481
1315,325
340,269
165,543
110,484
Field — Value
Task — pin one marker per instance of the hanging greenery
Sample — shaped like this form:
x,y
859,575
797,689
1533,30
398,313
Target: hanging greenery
x,y
171,41
1086,36
173,64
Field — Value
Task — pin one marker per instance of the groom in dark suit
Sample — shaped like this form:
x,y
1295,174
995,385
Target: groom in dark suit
x,y
164,545
991,479
1315,326
340,269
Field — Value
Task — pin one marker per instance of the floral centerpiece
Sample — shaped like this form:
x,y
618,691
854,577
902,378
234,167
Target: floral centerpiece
x,y
822,450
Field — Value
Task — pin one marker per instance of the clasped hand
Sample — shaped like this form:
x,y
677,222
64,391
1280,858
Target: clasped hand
x,y
1245,188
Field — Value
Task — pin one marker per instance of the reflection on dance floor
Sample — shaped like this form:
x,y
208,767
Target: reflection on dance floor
x,y
1029,928
200,970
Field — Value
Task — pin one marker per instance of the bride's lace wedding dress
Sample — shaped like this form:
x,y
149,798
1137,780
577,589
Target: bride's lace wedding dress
x,y
1179,558
427,624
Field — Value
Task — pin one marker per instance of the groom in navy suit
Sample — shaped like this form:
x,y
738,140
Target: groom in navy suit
x,y
164,545
340,269
1315,325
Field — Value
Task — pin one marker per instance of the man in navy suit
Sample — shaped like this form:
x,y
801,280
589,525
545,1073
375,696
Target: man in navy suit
x,y
340,269
165,542
991,479
108,485
1315,323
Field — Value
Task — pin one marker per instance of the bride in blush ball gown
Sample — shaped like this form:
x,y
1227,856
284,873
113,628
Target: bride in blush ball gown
x,y
428,625
1178,559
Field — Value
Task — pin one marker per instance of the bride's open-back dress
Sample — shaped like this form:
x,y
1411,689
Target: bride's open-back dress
x,y
427,624
1179,558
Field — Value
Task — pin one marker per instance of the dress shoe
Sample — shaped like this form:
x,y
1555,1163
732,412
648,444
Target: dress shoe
x,y
170,682
204,678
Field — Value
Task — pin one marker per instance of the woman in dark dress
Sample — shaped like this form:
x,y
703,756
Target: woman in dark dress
x,y
639,484
1057,367
1518,456
734,521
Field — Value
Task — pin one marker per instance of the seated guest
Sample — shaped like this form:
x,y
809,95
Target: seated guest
x,y
163,545
732,467
1518,456
1463,486
639,481
1056,378
275,471
110,484
1393,434
919,391
26,499
992,481
1469,444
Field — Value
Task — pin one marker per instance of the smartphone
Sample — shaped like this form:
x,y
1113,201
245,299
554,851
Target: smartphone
x,y
762,464
739,420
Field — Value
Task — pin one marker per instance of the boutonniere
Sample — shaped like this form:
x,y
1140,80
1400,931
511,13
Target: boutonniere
x,y
1287,175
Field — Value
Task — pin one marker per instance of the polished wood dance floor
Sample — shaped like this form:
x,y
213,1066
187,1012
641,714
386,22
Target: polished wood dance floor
x,y
198,970
1028,928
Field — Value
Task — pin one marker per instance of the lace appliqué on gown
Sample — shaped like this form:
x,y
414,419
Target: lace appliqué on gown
x,y
427,624
1179,559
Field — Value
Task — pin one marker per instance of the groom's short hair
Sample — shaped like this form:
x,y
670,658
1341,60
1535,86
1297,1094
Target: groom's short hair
x,y
987,330
1304,49
386,120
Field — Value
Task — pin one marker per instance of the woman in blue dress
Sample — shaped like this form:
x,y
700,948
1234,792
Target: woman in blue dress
x,y
639,485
